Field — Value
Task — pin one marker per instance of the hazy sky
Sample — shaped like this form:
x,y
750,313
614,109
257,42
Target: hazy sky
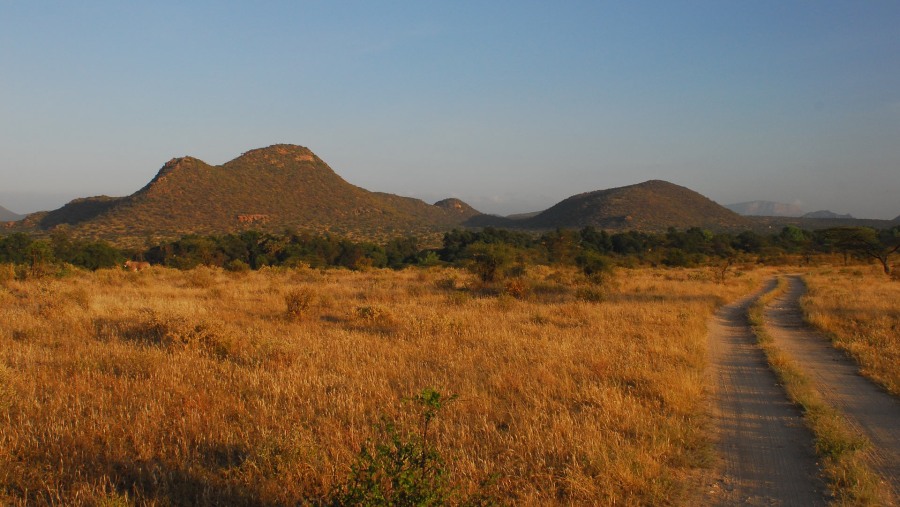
x,y
510,106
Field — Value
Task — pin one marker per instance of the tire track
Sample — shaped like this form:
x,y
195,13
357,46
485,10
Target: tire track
x,y
866,406
767,455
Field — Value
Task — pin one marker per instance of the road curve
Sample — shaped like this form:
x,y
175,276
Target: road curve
x,y
866,406
766,452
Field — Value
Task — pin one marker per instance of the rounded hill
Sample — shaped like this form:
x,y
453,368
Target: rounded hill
x,y
652,206
457,208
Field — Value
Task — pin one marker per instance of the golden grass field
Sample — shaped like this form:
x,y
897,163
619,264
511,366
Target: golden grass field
x,y
170,387
859,308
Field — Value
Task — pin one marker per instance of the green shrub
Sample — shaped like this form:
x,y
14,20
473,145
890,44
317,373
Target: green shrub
x,y
597,268
489,260
403,467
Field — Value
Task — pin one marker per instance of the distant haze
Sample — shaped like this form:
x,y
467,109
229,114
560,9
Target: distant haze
x,y
7,215
30,202
766,209
509,106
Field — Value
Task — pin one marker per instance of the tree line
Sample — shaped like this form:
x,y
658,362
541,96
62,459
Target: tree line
x,y
491,250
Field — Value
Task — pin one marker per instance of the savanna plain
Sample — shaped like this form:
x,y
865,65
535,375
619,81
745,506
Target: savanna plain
x,y
168,387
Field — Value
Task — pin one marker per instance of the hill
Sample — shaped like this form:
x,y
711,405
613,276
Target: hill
x,y
457,208
287,187
766,209
651,206
76,211
8,216
522,216
825,214
271,189
766,225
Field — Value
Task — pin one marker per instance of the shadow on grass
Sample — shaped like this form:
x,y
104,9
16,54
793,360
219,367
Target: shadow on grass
x,y
160,482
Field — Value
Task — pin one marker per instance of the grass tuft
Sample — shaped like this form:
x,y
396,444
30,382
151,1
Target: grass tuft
x,y
298,302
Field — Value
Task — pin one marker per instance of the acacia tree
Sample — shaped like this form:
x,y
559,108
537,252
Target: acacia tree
x,y
489,260
867,242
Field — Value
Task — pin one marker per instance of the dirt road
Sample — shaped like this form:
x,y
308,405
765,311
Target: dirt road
x,y
869,408
767,455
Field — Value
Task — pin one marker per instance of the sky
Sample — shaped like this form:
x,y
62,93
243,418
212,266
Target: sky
x,y
510,106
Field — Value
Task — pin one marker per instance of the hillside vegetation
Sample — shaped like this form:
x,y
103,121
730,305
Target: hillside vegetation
x,y
269,189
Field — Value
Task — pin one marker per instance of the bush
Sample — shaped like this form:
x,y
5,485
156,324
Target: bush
x,y
591,295
517,288
298,302
237,266
595,267
403,467
489,260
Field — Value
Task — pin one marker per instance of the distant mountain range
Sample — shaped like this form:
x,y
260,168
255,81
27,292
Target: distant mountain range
x,y
766,209
8,216
825,214
287,187
780,209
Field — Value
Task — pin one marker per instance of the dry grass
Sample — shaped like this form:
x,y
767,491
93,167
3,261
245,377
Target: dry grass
x,y
167,387
859,309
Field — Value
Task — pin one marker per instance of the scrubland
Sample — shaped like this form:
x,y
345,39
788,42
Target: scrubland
x,y
259,388
859,308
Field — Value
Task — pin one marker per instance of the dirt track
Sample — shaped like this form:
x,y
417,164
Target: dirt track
x,y
866,406
767,455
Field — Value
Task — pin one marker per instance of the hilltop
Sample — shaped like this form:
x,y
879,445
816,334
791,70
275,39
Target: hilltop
x,y
271,189
8,216
654,205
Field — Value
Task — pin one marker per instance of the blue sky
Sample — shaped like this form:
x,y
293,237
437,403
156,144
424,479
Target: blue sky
x,y
511,106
